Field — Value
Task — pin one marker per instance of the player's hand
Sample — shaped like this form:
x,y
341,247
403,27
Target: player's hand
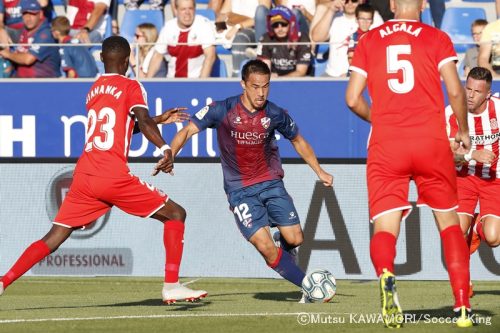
x,y
464,139
166,164
173,115
483,156
325,178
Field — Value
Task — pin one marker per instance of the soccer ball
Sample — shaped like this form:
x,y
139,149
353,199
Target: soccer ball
x,y
319,286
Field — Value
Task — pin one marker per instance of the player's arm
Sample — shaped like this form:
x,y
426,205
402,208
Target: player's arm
x,y
456,97
182,137
321,26
461,156
354,96
304,149
173,115
483,58
150,130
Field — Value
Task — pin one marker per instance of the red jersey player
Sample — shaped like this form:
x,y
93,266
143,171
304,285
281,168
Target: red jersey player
x,y
401,63
102,178
478,173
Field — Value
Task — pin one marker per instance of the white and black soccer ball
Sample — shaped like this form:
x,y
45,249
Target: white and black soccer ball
x,y
319,286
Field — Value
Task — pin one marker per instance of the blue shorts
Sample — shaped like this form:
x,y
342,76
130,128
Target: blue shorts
x,y
261,205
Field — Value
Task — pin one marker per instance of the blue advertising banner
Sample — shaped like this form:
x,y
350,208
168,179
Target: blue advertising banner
x,y
47,119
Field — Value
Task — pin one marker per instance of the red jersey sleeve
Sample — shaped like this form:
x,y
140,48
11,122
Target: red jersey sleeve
x,y
445,52
137,96
359,61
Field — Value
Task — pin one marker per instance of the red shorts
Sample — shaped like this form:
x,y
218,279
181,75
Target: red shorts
x,y
472,189
90,197
391,166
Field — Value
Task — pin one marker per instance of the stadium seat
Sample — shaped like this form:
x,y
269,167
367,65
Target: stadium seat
x,y
322,52
208,13
219,68
132,18
457,22
426,17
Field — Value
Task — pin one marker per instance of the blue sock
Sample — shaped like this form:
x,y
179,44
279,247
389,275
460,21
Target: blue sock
x,y
286,267
284,245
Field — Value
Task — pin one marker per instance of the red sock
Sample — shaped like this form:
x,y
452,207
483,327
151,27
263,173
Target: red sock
x,y
383,251
32,255
456,255
479,230
173,239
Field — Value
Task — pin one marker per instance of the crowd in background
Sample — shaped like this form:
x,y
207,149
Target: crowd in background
x,y
294,37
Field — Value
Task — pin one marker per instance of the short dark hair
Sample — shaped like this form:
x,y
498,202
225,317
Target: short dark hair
x,y
254,66
365,8
116,44
480,22
480,73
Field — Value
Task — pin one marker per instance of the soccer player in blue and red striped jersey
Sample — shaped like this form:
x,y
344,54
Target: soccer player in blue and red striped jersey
x,y
251,165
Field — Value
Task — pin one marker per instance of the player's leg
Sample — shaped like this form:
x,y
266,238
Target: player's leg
x,y
489,230
456,255
252,218
382,253
277,259
35,253
137,197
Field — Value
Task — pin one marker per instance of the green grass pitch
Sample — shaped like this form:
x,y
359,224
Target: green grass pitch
x,y
122,304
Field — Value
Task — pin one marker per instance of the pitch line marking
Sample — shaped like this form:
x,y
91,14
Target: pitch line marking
x,y
271,314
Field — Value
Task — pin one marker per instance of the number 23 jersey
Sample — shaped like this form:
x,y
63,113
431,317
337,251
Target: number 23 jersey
x,y
401,60
109,104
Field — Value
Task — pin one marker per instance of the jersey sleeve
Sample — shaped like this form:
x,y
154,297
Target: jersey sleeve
x,y
137,96
304,53
445,50
451,123
208,117
41,52
359,61
286,125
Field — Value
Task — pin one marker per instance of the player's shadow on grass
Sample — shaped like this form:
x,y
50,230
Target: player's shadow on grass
x,y
156,302
487,292
444,312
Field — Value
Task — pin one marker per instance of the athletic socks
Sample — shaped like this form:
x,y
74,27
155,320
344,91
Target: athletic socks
x,y
285,266
456,255
479,230
383,251
173,239
32,255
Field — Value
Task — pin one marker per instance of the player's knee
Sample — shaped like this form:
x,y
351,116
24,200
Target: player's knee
x,y
269,252
492,240
179,214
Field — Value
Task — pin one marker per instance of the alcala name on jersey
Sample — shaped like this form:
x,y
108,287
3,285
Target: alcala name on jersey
x,y
408,28
103,90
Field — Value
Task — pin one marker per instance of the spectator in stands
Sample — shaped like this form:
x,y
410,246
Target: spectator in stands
x,y
145,34
214,5
246,24
88,19
364,17
11,21
336,21
489,48
470,60
153,4
193,60
34,61
286,59
304,11
76,61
